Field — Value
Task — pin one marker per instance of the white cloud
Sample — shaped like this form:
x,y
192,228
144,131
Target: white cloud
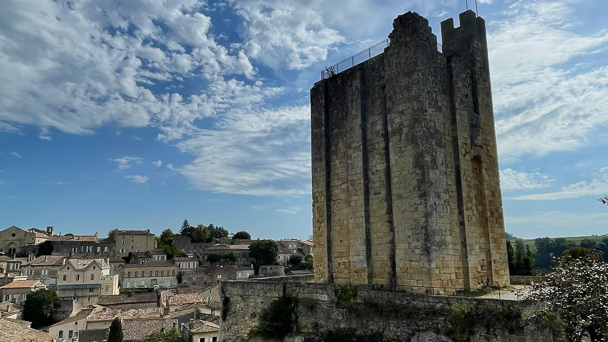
x,y
253,153
514,180
58,183
126,162
596,187
137,178
289,211
545,101
78,66
158,163
16,154
171,167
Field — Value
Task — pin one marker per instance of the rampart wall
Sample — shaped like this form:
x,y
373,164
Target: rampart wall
x,y
397,316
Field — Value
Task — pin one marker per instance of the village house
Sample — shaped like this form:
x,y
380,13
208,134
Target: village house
x,y
240,252
178,301
11,263
13,239
289,247
155,273
68,329
45,268
18,290
200,331
85,280
133,241
186,264
85,246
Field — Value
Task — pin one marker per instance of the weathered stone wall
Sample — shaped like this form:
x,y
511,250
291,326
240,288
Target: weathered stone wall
x,y
404,165
398,316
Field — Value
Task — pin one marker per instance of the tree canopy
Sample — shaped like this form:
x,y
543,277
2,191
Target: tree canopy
x,y
115,334
112,233
39,306
216,232
241,235
166,241
265,252
576,290
167,336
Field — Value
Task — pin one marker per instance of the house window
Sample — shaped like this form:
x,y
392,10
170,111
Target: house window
x,y
107,288
219,276
105,249
202,339
92,277
173,272
70,334
150,273
78,277
98,249
214,339
162,273
136,274
60,333
157,273
65,277
129,274
91,290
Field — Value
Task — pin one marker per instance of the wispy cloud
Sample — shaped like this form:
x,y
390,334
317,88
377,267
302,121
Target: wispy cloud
x,y
58,183
545,101
253,153
126,162
514,180
16,154
289,211
137,178
596,187
158,163
557,223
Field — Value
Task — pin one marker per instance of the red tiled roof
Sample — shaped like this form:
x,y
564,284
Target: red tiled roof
x,y
20,284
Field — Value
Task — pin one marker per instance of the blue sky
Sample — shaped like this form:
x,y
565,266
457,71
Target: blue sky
x,y
139,114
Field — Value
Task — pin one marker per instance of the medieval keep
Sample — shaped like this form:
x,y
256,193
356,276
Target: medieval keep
x,y
406,189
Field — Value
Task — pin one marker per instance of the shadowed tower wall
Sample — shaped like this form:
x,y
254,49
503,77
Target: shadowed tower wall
x,y
404,165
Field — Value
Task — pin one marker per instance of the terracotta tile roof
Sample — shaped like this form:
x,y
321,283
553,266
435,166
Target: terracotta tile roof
x,y
20,331
102,314
21,284
150,264
306,242
41,235
184,299
133,232
80,315
137,329
200,326
128,299
47,260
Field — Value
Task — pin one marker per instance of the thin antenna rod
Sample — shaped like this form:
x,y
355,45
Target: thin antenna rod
x,y
467,3
476,9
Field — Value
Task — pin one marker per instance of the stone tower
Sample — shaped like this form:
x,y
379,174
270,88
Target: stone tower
x,y
404,165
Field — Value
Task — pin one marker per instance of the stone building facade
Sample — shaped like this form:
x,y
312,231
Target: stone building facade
x,y
405,177
133,241
85,280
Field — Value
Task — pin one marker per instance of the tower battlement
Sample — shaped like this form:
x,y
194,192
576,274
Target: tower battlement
x,y
404,165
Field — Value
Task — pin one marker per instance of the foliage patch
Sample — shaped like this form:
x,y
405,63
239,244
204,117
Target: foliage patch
x,y
466,317
347,335
347,295
280,319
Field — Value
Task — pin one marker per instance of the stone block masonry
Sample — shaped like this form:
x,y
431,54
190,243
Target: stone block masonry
x,y
392,315
404,165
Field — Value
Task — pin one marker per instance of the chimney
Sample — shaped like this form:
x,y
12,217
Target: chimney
x,y
191,323
148,231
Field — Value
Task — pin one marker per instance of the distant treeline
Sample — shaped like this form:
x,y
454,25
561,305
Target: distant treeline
x,y
523,261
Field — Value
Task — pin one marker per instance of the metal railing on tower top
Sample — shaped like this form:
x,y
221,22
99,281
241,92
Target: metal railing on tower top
x,y
355,59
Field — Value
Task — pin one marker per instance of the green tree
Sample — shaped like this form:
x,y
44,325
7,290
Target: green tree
x,y
112,233
186,230
200,233
215,257
115,334
295,259
39,307
519,254
216,232
69,234
167,336
166,241
573,253
576,290
242,235
264,252
511,258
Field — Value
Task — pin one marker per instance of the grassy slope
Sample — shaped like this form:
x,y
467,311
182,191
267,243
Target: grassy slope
x,y
575,239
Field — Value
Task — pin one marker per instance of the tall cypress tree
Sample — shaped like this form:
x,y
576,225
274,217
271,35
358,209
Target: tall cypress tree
x,y
115,331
